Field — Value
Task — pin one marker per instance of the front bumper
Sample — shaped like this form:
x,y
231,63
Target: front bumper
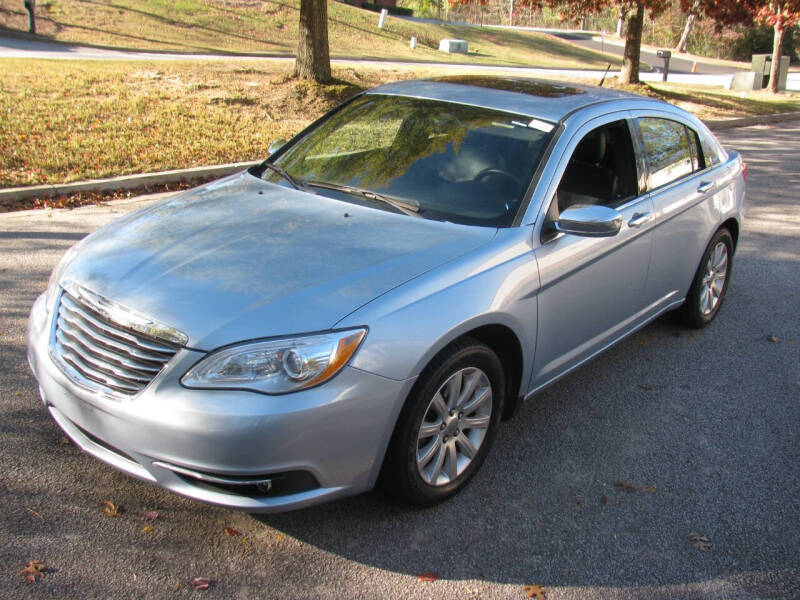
x,y
337,433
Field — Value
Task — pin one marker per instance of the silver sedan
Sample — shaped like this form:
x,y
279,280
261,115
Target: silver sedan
x,y
366,305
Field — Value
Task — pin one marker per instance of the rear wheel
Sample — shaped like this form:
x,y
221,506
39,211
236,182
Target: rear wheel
x,y
710,282
449,421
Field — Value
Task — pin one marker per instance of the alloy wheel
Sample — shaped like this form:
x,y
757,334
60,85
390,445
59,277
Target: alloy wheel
x,y
714,278
454,426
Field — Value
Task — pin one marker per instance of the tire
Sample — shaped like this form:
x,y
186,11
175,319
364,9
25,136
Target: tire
x,y
407,479
705,299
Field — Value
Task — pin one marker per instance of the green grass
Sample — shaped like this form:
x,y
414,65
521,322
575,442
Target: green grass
x,y
270,26
70,120
64,121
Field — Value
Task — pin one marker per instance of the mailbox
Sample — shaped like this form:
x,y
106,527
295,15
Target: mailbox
x,y
665,56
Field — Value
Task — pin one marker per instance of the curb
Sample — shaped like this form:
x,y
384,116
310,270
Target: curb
x,y
134,181
123,183
721,124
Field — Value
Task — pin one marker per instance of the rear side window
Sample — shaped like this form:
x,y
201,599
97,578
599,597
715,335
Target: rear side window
x,y
667,150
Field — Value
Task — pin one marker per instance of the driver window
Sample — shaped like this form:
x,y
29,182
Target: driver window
x,y
602,170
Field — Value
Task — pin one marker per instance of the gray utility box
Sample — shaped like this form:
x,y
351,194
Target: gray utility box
x,y
762,65
459,46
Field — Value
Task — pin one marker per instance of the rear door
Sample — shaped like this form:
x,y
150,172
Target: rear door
x,y
682,188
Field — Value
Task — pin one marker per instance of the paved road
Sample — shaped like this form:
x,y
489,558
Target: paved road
x,y
22,47
710,419
648,56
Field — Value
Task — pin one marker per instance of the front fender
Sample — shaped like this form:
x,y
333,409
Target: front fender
x,y
494,285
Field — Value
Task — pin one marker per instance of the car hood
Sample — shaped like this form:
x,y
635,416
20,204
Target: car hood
x,y
241,258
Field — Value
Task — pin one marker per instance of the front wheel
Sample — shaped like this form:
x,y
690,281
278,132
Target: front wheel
x,y
447,425
710,282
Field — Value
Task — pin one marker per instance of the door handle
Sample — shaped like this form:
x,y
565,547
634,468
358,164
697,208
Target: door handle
x,y
705,186
640,219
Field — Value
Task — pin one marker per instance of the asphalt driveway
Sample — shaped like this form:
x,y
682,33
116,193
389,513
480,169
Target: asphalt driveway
x,y
592,491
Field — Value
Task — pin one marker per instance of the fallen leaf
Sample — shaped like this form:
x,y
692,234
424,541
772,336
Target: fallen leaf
x,y
535,590
147,529
200,583
35,514
109,508
428,576
773,338
646,387
244,543
625,486
700,542
64,441
33,570
177,586
630,488
279,537
231,531
150,515
605,500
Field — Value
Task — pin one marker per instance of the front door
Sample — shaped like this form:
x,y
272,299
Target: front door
x,y
592,289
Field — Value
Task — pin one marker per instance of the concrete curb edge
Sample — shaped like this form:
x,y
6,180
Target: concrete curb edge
x,y
124,182
721,124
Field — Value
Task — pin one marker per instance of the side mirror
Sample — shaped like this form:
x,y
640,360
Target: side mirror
x,y
590,221
275,145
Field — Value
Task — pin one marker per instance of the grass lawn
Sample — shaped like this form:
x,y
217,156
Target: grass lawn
x,y
64,121
270,26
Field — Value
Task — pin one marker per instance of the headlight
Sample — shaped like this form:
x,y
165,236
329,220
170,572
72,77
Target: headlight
x,y
276,366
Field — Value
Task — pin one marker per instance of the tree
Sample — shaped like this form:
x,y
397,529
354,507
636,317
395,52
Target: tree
x,y
633,11
693,11
781,16
313,56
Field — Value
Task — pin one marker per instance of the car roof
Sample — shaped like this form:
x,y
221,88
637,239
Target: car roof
x,y
539,98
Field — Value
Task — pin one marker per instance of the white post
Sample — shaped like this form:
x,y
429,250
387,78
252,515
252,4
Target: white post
x,y
413,43
511,12
382,19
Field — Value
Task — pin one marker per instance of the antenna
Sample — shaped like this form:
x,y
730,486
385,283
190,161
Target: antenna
x,y
604,75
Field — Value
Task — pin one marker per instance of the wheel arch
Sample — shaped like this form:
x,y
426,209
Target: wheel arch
x,y
731,225
502,338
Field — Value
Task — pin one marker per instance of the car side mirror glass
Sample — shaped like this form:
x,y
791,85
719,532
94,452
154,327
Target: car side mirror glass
x,y
275,145
590,221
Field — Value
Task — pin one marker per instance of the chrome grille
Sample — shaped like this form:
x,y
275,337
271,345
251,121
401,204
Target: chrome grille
x,y
97,353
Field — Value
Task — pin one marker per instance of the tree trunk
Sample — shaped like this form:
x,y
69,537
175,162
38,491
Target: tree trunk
x,y
313,57
780,32
30,6
633,45
623,14
687,30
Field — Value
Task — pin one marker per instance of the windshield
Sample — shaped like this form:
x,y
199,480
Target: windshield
x,y
448,161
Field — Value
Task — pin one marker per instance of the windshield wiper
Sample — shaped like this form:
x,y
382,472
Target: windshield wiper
x,y
407,208
283,173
